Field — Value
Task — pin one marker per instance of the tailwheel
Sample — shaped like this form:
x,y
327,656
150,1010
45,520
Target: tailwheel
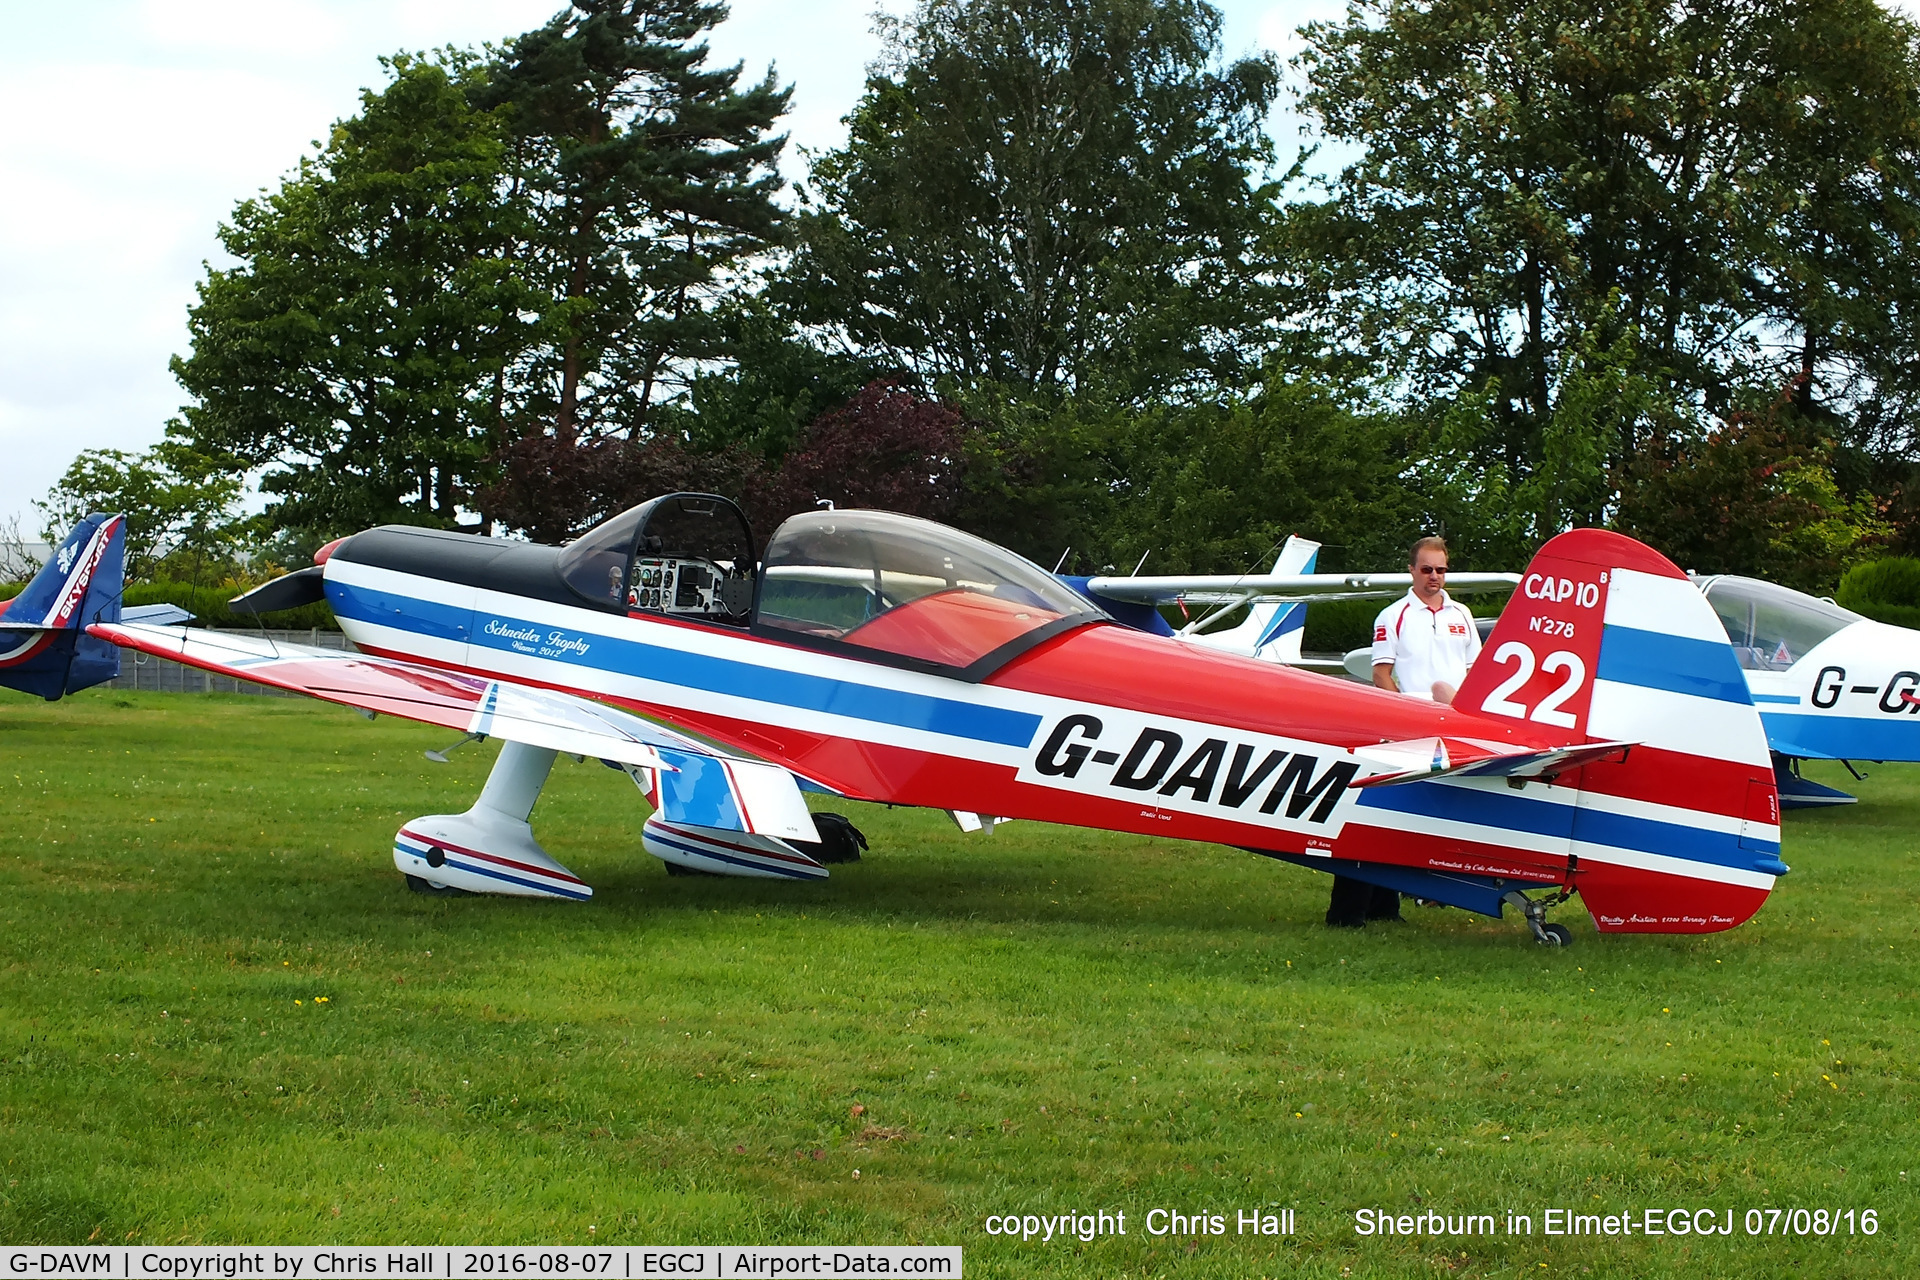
x,y
1535,911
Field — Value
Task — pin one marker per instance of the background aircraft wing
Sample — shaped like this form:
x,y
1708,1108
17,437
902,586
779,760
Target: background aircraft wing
x,y
727,790
1229,588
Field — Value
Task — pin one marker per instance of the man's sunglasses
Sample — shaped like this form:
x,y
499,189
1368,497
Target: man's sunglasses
x,y
1429,568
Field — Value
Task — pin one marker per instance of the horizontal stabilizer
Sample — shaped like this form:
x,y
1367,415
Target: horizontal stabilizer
x,y
301,587
1423,759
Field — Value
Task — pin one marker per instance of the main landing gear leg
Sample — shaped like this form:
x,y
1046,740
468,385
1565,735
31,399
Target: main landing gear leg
x,y
1535,911
489,848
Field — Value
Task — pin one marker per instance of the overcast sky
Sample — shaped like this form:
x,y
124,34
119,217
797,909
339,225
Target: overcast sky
x,y
134,126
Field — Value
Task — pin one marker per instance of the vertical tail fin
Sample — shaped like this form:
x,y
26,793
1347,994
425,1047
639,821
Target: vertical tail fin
x,y
1607,640
44,647
1272,628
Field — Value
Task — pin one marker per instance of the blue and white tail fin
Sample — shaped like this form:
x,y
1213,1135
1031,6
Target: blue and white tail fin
x,y
44,647
1272,629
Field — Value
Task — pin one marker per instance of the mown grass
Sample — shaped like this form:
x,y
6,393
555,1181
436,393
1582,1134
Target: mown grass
x,y
222,1019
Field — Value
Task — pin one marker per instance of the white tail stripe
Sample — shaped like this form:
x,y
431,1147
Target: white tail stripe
x,y
1666,606
1430,827
1678,722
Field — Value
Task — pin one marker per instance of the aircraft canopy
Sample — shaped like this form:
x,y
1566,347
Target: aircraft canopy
x,y
1772,627
911,589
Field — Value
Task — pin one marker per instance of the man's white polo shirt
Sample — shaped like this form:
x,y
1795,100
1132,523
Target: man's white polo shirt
x,y
1425,645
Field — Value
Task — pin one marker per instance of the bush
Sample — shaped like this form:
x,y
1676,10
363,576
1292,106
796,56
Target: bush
x,y
1335,626
1884,590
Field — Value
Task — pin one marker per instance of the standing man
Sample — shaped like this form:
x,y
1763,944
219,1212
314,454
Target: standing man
x,y
1422,645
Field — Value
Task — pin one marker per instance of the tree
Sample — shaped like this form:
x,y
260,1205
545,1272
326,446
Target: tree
x,y
1498,513
177,502
490,250
1216,487
1056,196
649,178
1207,487
885,448
1754,496
357,349
1729,185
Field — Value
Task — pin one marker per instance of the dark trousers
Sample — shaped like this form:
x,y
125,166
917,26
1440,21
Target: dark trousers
x,y
1355,902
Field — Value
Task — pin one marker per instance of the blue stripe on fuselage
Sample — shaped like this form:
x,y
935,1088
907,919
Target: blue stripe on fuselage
x,y
701,671
1676,664
367,604
1544,817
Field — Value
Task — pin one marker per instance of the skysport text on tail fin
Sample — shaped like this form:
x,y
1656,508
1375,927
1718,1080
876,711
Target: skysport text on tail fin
x,y
1607,641
44,649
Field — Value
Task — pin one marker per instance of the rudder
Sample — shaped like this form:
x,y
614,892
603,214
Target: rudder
x,y
44,647
1607,640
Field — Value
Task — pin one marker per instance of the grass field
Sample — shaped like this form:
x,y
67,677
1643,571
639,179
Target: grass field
x,y
222,1019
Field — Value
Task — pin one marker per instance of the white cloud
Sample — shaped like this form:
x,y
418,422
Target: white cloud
x,y
212,27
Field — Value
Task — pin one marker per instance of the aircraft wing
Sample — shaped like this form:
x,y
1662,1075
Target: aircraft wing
x,y
1229,588
1422,759
724,790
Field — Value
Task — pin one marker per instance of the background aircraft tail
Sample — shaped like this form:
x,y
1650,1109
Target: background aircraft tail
x,y
1272,629
1606,640
44,648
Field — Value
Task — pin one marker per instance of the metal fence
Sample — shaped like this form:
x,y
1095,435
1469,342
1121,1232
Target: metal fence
x,y
162,675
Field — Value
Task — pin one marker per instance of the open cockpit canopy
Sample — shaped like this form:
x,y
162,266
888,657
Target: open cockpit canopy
x,y
909,589
686,554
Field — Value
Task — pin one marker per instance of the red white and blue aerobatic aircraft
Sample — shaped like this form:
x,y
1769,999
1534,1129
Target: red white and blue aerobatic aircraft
x,y
1606,743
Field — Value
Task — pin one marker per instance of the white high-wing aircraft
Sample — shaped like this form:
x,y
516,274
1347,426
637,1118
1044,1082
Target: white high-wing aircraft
x,y
1277,618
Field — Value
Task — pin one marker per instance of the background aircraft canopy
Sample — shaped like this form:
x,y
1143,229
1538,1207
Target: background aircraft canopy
x,y
912,589
1772,627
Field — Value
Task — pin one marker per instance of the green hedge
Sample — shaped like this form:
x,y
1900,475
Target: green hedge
x,y
1335,626
1884,590
208,604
